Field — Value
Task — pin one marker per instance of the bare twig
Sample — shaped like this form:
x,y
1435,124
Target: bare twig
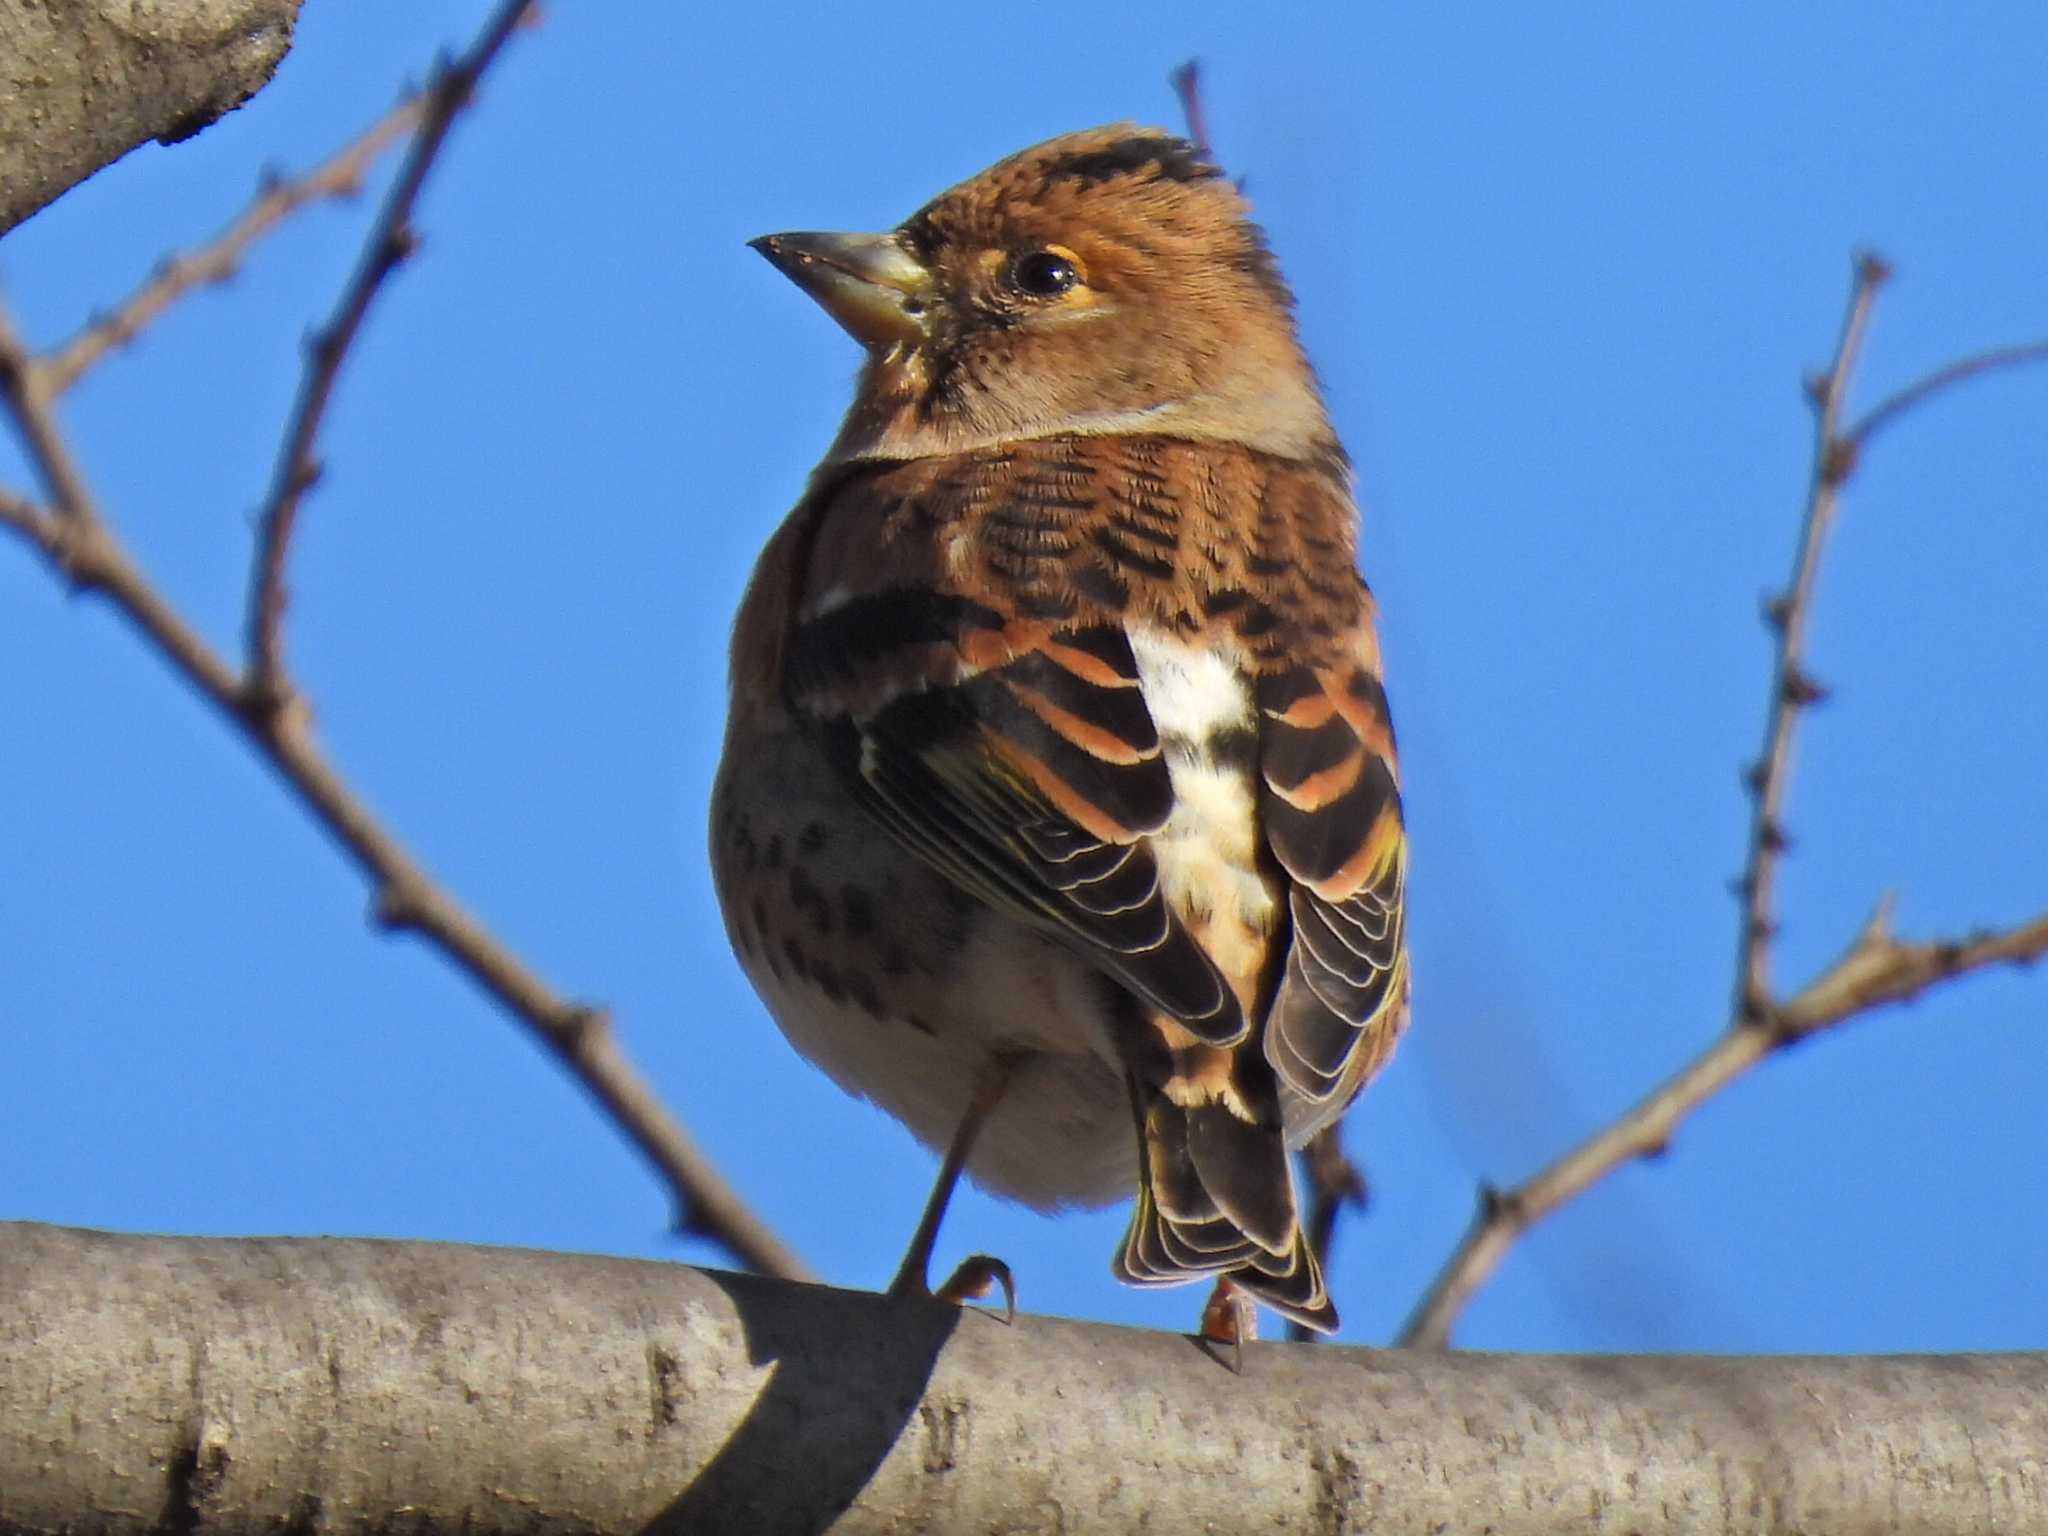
x,y
1792,688
75,538
27,395
24,517
1187,86
1875,971
1994,360
77,541
1334,1184
1878,970
390,242
216,261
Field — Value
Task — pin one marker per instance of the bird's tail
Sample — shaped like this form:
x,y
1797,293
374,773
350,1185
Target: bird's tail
x,y
1216,1195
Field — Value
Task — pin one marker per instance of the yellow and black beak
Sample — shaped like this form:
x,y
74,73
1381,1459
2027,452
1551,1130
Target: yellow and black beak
x,y
870,284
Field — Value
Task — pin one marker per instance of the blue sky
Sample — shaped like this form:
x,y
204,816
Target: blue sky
x,y
1562,268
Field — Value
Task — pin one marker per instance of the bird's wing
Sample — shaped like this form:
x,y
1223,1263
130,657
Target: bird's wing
x,y
1016,756
1331,808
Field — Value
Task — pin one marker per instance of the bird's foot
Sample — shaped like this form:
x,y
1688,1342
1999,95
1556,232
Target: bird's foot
x,y
977,1275
1230,1318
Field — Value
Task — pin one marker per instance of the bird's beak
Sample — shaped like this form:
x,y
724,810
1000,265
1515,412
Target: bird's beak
x,y
870,284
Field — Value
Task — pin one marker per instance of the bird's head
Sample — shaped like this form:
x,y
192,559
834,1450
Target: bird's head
x,y
1108,281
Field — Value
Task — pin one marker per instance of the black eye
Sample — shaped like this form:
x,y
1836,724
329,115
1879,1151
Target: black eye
x,y
1044,274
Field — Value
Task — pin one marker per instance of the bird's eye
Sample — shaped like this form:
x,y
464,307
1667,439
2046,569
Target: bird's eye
x,y
1044,274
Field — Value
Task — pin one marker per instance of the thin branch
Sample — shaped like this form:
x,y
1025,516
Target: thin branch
x,y
389,243
1875,971
27,395
1994,360
81,546
25,517
1878,970
1792,688
1187,86
1335,1184
216,261
75,538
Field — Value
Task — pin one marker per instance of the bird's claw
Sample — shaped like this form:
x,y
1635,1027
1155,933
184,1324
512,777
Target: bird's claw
x,y
972,1281
1230,1318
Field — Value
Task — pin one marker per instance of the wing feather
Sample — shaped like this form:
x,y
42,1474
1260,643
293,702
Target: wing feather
x,y
1020,760
1332,812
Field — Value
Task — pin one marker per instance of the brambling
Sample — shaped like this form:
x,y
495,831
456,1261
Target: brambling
x,y
1058,800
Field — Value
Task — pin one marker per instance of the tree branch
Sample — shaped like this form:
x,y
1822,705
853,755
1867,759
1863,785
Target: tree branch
x,y
1335,1184
1875,971
1920,391
82,548
203,1387
89,80
1186,80
216,261
1792,688
79,543
389,243
25,518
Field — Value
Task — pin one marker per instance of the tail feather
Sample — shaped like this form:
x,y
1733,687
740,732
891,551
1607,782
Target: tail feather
x,y
1244,1168
1216,1197
1168,1155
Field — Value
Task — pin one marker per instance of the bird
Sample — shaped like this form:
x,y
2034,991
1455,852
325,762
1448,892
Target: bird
x,y
1058,812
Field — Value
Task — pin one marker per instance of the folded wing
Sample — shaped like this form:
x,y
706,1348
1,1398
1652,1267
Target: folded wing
x,y
1017,757
1332,813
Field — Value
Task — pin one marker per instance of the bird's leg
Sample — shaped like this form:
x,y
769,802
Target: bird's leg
x,y
978,1272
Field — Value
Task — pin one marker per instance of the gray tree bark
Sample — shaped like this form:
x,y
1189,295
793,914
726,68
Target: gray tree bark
x,y
200,1386
82,82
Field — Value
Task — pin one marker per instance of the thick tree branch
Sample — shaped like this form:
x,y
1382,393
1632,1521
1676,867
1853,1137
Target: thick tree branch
x,y
205,1387
88,80
1875,971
